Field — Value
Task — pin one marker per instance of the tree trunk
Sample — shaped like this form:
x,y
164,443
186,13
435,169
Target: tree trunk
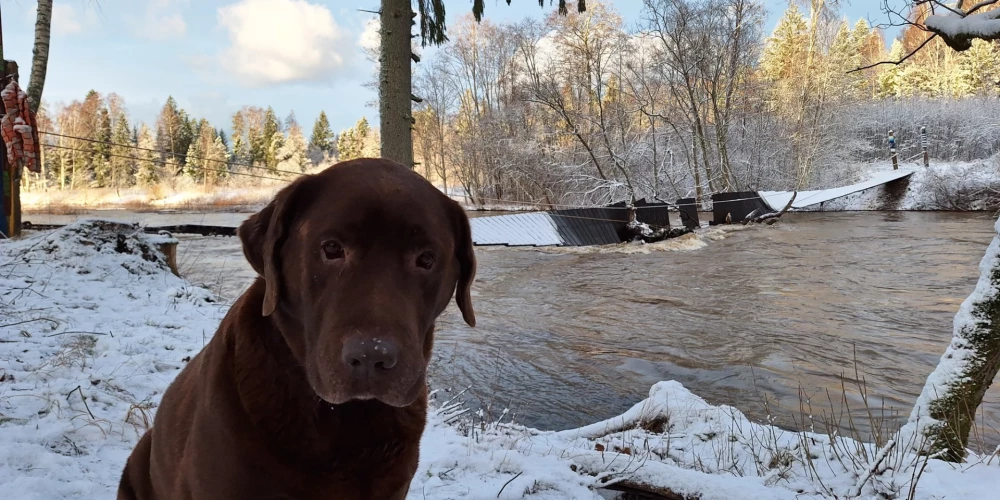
x,y
945,412
40,60
395,76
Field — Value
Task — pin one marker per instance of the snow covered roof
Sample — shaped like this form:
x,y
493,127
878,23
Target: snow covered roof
x,y
535,228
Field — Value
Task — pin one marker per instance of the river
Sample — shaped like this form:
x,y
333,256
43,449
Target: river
x,y
766,319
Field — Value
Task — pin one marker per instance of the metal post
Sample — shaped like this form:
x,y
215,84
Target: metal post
x,y
892,150
923,145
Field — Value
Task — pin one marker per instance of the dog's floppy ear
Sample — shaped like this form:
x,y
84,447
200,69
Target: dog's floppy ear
x,y
466,256
262,235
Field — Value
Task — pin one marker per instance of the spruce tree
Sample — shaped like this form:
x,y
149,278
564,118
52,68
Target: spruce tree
x,y
322,136
147,173
100,161
122,152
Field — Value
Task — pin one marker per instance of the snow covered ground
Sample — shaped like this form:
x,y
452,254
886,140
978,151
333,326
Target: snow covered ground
x,y
94,327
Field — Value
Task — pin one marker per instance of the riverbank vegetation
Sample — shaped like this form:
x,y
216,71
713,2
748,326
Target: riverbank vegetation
x,y
694,97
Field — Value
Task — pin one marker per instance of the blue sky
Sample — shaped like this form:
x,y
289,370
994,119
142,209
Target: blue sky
x,y
215,56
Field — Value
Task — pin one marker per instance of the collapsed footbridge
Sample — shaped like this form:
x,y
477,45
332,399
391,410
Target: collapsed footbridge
x,y
607,225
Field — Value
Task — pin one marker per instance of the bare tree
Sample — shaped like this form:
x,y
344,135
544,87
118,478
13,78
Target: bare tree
x,y
395,72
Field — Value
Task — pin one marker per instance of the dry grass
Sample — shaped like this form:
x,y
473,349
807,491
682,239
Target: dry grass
x,y
159,197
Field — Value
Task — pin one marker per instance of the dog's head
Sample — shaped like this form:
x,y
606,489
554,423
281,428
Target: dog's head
x,y
358,262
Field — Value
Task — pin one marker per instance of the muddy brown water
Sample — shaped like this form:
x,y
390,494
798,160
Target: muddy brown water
x,y
771,315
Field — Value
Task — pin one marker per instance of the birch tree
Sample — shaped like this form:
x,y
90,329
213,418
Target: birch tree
x,y
40,53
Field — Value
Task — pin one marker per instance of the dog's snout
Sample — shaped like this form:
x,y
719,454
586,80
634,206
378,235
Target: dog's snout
x,y
369,355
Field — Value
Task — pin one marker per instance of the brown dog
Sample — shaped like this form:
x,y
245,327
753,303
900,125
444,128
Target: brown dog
x,y
314,385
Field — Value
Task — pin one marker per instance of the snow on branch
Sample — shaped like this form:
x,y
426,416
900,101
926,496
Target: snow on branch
x,y
958,30
957,26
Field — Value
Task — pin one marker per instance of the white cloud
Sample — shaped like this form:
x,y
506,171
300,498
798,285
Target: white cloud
x,y
158,22
369,39
276,41
67,21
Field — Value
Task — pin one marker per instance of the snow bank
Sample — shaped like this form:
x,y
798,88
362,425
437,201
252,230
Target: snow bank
x,y
95,327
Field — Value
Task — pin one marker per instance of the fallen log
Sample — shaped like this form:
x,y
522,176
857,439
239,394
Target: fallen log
x,y
749,218
772,217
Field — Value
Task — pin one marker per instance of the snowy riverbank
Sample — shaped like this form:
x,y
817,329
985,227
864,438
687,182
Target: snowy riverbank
x,y
94,327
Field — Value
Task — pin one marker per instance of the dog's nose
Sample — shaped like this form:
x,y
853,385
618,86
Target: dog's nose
x,y
369,355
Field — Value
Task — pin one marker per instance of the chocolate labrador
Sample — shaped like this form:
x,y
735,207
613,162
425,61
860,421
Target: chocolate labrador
x,y
314,386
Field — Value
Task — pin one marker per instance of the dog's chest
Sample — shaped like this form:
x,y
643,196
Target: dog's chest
x,y
359,480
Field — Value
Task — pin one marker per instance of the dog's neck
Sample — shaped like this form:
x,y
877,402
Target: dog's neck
x,y
279,401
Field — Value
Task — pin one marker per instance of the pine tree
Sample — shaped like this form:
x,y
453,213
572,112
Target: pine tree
x,y
977,71
168,130
186,134
890,81
355,142
203,164
193,167
271,139
100,163
219,157
147,173
256,144
347,146
359,141
845,54
322,136
785,50
240,152
221,133
122,165
273,151
783,63
871,49
293,153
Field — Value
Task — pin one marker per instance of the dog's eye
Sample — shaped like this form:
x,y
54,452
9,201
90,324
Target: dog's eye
x,y
426,260
333,250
